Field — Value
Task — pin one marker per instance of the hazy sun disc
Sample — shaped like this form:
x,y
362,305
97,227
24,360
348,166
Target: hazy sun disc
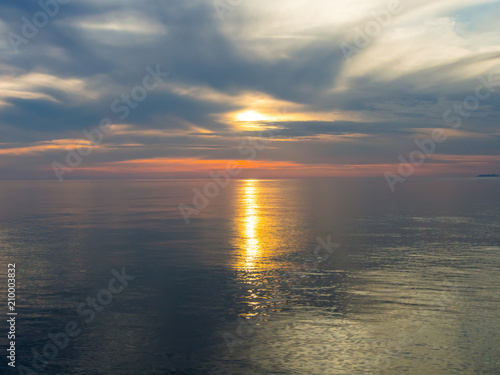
x,y
250,116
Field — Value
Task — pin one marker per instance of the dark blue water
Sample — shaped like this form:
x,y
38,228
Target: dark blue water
x,y
408,282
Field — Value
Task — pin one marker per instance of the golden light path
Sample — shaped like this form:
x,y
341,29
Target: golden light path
x,y
250,224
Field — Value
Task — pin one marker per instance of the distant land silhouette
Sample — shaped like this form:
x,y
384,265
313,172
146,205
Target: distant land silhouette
x,y
488,175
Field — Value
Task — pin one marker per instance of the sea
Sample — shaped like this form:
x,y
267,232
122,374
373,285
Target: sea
x,y
301,276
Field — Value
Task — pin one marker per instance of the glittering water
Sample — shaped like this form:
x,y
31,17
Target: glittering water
x,y
408,283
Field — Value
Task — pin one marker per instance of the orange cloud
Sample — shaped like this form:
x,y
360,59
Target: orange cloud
x,y
467,158
60,144
200,168
435,165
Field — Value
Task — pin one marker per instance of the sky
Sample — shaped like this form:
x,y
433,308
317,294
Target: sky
x,y
182,89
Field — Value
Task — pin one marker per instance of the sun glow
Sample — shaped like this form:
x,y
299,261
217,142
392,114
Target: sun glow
x,y
250,116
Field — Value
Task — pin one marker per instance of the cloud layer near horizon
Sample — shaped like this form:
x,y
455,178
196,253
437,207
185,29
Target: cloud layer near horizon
x,y
279,65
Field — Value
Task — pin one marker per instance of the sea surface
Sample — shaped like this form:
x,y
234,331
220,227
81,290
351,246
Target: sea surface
x,y
325,276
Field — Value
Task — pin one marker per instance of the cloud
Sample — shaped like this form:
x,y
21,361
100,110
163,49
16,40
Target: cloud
x,y
263,57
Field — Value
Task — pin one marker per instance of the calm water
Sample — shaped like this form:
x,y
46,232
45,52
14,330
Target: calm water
x,y
412,287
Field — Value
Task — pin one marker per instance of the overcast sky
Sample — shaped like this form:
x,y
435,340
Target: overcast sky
x,y
333,106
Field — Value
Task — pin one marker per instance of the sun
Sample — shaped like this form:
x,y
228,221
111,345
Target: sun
x,y
250,116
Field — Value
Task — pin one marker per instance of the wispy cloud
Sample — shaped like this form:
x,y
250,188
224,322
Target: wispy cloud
x,y
262,58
